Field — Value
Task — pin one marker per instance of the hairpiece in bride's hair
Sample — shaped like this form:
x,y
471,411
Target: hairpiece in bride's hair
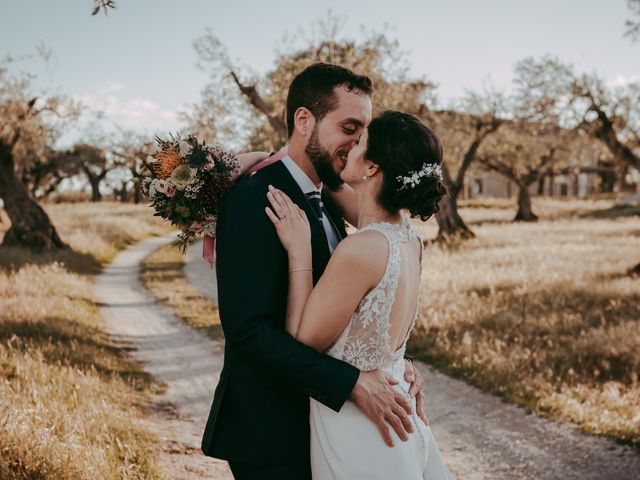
x,y
428,170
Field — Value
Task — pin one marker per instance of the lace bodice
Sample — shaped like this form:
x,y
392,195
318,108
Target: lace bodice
x,y
365,342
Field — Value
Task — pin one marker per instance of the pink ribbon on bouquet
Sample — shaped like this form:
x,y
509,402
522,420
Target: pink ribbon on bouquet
x,y
209,250
209,243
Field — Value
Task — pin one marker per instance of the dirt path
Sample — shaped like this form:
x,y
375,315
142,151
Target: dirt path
x,y
187,361
480,436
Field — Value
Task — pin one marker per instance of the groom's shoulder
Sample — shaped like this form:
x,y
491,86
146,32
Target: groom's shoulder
x,y
260,180
254,188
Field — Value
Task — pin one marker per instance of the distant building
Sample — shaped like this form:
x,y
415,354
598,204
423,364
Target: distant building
x,y
582,183
584,179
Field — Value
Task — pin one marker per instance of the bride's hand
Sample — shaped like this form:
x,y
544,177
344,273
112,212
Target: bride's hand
x,y
291,224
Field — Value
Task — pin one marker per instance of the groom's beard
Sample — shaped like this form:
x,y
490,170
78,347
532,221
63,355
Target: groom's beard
x,y
321,161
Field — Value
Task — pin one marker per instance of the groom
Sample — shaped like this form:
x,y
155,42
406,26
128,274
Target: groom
x,y
259,420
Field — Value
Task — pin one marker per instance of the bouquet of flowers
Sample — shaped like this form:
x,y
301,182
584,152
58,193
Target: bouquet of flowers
x,y
186,182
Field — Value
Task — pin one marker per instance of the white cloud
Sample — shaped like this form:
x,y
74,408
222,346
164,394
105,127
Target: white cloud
x,y
112,87
118,112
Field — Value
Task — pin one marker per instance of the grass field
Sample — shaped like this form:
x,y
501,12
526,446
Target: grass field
x,y
543,314
70,402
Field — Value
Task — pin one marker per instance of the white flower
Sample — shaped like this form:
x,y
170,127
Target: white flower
x,y
183,176
414,178
161,186
185,148
210,225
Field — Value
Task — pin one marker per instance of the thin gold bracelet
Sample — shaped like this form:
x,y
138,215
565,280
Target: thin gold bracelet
x,y
300,270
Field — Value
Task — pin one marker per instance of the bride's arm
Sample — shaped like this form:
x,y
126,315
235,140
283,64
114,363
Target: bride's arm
x,y
250,159
254,161
349,275
345,198
316,316
294,232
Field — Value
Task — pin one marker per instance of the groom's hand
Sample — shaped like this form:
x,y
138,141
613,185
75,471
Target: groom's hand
x,y
375,396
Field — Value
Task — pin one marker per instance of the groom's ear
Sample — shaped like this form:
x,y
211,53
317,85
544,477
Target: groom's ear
x,y
304,121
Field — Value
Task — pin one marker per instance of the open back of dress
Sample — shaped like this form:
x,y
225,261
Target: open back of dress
x,y
347,445
377,332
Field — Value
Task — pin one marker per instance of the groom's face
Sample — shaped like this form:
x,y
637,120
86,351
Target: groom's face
x,y
337,133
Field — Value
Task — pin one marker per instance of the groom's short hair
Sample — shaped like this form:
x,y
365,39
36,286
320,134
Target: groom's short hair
x,y
314,89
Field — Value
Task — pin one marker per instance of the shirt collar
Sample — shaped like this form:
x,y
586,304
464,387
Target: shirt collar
x,y
301,178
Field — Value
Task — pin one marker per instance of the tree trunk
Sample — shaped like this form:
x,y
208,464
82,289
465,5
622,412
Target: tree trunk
x,y
138,197
450,224
94,181
541,185
137,193
30,225
621,175
525,211
635,271
96,196
607,134
607,181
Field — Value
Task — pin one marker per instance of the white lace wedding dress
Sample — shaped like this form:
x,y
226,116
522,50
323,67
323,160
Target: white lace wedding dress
x,y
347,445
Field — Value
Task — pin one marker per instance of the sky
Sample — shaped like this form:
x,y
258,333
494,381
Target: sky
x,y
138,64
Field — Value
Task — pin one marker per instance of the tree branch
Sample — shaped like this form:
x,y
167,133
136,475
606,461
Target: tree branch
x,y
260,104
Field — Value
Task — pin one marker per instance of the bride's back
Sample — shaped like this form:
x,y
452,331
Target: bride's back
x,y
377,332
407,294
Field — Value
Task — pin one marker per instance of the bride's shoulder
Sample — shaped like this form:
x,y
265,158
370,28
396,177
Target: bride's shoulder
x,y
364,242
364,250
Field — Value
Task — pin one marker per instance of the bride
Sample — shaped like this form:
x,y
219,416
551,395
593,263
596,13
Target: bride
x,y
365,305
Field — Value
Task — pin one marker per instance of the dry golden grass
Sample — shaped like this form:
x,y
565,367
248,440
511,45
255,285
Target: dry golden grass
x,y
64,422
94,231
70,403
542,313
163,275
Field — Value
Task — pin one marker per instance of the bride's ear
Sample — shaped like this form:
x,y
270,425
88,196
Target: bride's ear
x,y
304,121
371,168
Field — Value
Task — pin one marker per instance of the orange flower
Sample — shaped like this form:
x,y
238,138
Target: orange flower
x,y
167,161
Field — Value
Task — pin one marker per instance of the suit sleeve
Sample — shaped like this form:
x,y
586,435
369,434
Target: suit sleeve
x,y
252,271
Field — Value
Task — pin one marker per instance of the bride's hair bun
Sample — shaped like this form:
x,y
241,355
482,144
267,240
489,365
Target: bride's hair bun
x,y
409,155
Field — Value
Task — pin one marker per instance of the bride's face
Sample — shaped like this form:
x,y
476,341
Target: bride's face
x,y
356,168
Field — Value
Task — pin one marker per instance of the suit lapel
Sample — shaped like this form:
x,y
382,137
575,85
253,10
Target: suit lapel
x,y
282,179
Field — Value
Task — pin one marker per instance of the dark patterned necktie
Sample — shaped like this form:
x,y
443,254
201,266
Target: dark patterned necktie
x,y
316,203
